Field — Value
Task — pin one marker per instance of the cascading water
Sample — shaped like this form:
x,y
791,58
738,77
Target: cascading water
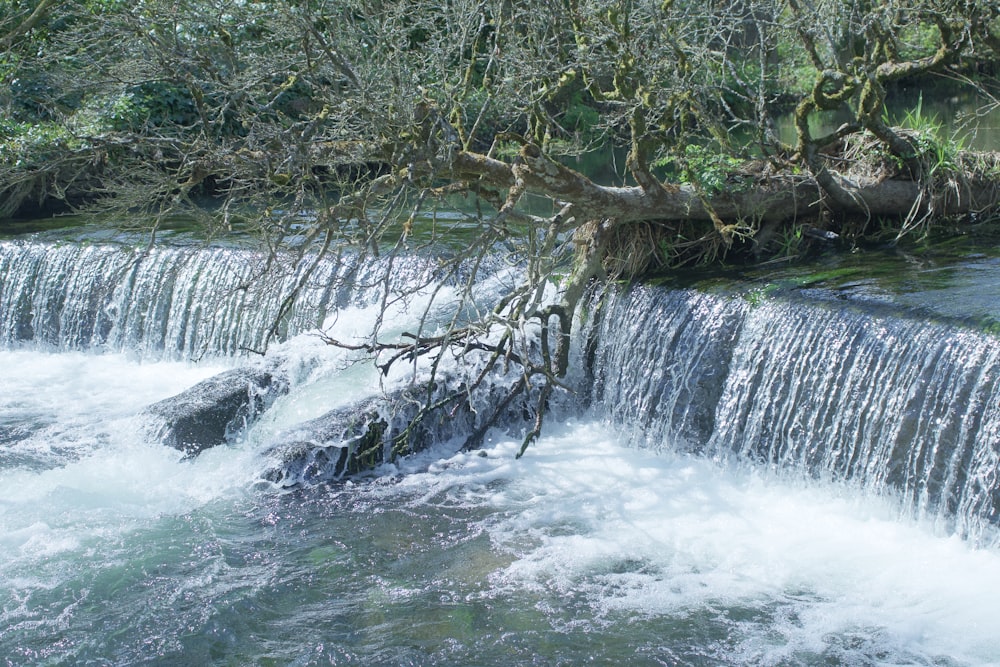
x,y
860,392
661,363
809,467
889,401
181,302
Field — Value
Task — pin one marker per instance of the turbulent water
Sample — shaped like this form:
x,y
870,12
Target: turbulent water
x,y
861,392
815,485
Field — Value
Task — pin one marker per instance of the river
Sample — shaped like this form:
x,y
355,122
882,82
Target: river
x,y
695,510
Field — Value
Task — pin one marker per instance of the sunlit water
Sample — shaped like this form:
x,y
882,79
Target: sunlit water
x,y
114,550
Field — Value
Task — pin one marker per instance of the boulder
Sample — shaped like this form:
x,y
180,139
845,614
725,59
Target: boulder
x,y
215,410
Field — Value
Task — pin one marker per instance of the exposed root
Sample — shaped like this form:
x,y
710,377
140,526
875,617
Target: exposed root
x,y
635,249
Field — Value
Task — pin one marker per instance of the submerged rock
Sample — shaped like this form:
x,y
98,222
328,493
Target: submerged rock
x,y
213,411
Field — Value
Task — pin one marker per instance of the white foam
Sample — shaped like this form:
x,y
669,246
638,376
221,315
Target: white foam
x,y
116,480
647,534
326,377
629,531
81,387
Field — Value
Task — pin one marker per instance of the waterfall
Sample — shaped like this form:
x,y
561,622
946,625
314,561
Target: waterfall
x,y
174,302
662,360
889,399
896,403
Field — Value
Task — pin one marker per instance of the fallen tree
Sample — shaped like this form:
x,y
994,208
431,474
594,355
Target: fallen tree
x,y
400,125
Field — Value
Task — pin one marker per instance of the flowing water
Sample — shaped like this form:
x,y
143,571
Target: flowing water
x,y
801,476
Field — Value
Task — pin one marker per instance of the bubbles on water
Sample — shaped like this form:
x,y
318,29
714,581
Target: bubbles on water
x,y
581,546
84,475
778,569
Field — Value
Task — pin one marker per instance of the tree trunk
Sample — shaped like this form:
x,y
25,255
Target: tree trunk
x,y
752,199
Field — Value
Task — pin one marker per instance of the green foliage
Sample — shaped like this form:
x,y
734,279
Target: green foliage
x,y
792,74
710,169
918,39
479,105
25,145
939,149
927,127
580,116
30,94
153,103
789,241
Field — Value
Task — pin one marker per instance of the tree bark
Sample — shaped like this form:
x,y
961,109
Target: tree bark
x,y
762,199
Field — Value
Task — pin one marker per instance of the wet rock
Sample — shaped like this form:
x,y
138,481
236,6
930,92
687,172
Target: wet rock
x,y
328,447
215,410
359,437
